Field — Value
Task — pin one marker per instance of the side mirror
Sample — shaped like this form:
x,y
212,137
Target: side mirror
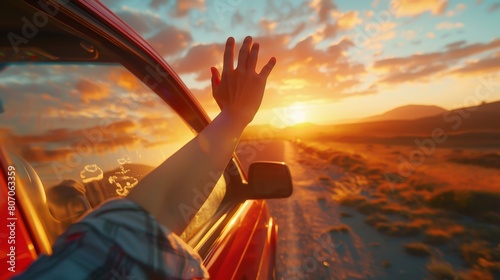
x,y
269,179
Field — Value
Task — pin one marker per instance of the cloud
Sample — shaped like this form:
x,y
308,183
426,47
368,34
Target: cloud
x,y
480,67
199,59
182,7
417,7
143,22
493,7
324,9
348,20
460,7
170,40
91,91
455,45
267,26
449,25
409,34
415,75
156,4
419,67
330,31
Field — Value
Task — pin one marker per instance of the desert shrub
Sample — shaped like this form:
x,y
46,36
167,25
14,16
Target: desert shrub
x,y
347,160
374,172
477,274
394,208
393,178
352,200
437,236
468,202
371,206
417,249
324,180
345,214
340,228
475,250
375,219
490,217
425,187
358,169
439,270
402,228
378,195
490,160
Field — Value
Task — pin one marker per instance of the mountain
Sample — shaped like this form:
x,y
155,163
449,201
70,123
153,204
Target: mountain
x,y
471,126
409,112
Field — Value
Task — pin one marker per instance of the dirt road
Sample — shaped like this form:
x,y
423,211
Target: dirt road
x,y
308,248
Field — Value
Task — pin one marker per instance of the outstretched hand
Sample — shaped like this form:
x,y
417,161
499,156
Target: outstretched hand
x,y
239,91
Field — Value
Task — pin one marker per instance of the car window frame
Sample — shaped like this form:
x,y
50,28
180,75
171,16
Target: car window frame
x,y
82,18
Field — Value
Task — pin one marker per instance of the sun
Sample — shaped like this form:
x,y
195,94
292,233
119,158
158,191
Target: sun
x,y
295,114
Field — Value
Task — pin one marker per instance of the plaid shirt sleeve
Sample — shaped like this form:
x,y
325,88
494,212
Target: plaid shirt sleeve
x,y
119,241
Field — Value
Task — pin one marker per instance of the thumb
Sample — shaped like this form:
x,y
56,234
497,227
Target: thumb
x,y
215,78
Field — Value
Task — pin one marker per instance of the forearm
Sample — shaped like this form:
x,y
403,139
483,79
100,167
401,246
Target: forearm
x,y
192,167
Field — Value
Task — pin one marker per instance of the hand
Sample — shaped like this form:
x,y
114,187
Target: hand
x,y
240,90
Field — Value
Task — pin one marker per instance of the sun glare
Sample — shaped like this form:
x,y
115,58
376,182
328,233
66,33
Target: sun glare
x,y
295,115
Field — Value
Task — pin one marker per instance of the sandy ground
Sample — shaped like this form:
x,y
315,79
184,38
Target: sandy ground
x,y
306,247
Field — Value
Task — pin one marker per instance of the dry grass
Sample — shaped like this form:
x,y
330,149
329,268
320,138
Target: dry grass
x,y
437,236
403,228
340,228
477,274
375,219
394,208
439,270
490,217
371,206
418,249
474,251
352,200
467,202
345,214
324,180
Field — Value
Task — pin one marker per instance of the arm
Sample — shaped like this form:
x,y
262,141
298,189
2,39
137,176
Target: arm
x,y
239,95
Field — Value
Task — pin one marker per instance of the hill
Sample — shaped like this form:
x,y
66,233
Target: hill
x,y
409,112
476,126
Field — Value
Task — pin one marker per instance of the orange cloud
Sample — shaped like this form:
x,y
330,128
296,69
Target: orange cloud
x,y
417,7
184,6
348,20
483,66
324,9
267,25
170,40
91,91
199,59
421,66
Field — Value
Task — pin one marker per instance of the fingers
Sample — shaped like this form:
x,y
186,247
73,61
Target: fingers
x,y
252,59
266,70
243,55
229,55
215,79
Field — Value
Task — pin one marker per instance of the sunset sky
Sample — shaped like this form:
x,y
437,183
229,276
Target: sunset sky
x,y
337,60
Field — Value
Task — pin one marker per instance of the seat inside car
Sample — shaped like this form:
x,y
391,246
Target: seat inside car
x,y
67,202
32,199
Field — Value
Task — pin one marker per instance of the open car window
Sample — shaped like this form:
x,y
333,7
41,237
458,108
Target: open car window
x,y
91,132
